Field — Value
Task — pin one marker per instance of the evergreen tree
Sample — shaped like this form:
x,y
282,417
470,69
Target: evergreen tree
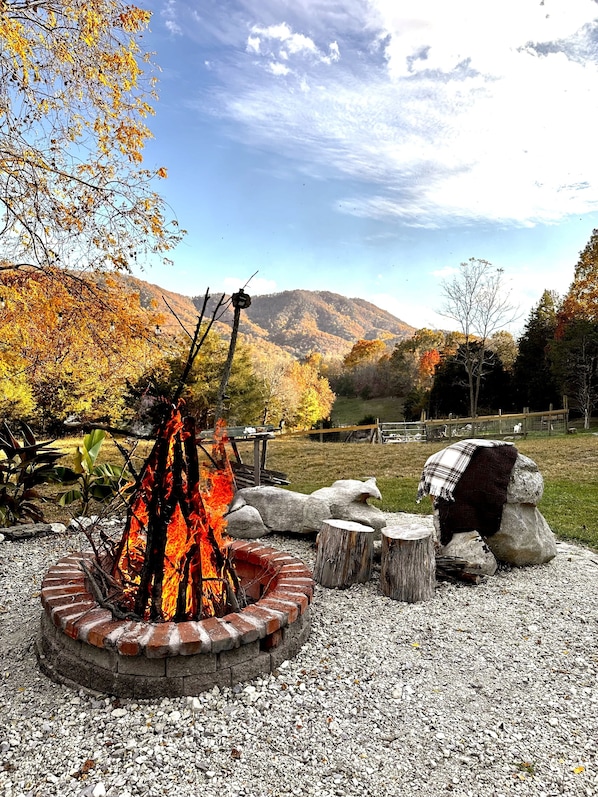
x,y
534,382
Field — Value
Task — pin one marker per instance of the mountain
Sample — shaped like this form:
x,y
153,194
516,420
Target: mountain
x,y
299,321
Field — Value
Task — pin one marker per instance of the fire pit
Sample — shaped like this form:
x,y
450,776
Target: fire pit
x,y
173,608
81,644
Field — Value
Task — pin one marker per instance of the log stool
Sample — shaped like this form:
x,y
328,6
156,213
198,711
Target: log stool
x,y
345,553
408,564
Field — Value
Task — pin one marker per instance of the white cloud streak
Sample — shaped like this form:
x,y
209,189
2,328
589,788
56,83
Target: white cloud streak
x,y
444,113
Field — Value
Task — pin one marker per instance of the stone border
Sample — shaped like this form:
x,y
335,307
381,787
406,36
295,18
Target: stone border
x,y
82,645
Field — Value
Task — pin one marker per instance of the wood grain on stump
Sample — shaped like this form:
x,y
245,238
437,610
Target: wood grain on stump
x,y
345,553
408,564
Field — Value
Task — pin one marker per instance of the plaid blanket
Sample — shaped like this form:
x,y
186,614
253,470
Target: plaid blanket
x,y
443,470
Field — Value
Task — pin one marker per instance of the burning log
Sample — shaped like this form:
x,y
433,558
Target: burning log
x,y
172,562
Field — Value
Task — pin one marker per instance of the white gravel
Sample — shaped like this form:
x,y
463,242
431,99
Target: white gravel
x,y
486,690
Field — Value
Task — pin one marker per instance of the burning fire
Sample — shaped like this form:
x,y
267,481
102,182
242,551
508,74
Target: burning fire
x,y
171,561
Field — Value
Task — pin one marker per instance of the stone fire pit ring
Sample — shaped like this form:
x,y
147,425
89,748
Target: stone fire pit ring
x,y
82,645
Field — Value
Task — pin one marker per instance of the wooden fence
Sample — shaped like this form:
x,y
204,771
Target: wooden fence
x,y
497,426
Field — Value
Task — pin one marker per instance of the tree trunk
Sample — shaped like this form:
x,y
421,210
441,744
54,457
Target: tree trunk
x,y
408,564
345,553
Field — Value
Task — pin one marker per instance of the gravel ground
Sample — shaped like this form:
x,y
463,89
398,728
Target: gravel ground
x,y
486,690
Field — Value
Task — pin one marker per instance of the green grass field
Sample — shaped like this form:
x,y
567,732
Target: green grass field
x,y
352,410
568,463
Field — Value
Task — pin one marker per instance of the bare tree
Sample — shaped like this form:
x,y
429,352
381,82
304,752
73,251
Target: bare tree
x,y
478,300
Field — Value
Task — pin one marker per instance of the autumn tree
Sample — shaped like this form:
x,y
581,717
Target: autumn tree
x,y
364,370
243,399
477,300
75,93
62,353
575,348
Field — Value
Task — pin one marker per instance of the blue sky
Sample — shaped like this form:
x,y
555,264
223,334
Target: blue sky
x,y
367,147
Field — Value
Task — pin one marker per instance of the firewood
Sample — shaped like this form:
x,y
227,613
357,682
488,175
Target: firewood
x,y
453,568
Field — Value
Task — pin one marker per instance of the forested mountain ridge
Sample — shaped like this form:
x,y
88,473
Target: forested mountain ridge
x,y
298,321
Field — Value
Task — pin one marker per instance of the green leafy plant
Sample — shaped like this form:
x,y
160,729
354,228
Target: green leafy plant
x,y
23,466
95,481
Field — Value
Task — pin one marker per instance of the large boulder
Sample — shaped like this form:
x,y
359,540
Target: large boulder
x,y
526,485
524,537
245,523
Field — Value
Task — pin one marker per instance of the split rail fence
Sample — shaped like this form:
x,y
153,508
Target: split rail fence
x,y
512,426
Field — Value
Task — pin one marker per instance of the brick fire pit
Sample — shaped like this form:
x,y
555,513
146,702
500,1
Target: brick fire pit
x,y
81,644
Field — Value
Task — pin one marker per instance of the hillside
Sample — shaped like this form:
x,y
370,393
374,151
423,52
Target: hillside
x,y
299,321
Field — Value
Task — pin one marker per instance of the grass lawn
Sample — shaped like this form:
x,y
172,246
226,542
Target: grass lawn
x,y
568,463
350,411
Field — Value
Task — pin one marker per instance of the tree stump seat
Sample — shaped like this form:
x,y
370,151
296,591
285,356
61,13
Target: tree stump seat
x,y
345,553
408,564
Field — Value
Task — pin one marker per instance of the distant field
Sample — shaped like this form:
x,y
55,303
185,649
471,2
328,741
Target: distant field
x,y
352,410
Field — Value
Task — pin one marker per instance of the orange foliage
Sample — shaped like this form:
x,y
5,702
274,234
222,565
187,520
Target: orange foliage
x,y
79,82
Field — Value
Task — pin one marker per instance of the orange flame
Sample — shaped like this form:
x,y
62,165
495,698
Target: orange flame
x,y
171,561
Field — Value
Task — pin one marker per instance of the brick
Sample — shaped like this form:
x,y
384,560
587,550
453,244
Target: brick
x,y
73,668
279,604
194,684
87,621
141,665
258,623
260,665
163,641
63,615
47,627
67,643
47,646
294,584
272,619
153,688
272,640
230,658
98,635
111,683
200,664
300,598
246,630
193,638
132,641
50,602
64,589
222,635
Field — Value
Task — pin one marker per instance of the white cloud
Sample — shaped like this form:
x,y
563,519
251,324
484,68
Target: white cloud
x,y
437,114
170,16
277,68
443,273
280,43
